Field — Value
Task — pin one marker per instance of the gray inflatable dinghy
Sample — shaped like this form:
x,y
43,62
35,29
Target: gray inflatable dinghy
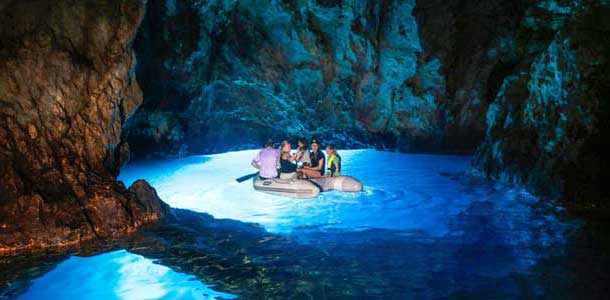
x,y
294,188
339,183
306,188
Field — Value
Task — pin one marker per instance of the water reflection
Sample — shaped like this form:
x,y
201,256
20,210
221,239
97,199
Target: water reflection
x,y
245,260
117,275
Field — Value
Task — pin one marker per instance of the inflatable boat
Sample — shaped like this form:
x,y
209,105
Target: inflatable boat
x,y
339,183
306,188
294,188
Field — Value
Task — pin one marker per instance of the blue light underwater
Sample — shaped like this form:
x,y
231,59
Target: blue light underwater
x,y
118,275
422,213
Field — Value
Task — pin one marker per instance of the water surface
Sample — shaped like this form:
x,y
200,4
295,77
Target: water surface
x,y
423,228
118,275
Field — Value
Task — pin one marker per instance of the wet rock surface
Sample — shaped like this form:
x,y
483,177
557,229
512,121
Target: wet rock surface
x,y
67,86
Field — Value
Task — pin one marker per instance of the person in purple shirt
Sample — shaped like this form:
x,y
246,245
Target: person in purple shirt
x,y
266,161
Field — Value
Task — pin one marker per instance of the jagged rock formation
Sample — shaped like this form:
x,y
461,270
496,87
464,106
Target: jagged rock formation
x,y
528,78
406,75
548,124
223,74
66,88
472,41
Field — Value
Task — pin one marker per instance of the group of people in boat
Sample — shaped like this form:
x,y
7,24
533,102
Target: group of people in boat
x,y
304,163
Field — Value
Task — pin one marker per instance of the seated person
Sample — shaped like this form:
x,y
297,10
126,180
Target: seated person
x,y
316,169
288,169
333,164
266,161
302,154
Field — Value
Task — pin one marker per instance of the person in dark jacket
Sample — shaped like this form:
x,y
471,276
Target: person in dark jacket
x,y
317,166
288,166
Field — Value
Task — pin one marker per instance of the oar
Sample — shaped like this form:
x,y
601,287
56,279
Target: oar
x,y
246,177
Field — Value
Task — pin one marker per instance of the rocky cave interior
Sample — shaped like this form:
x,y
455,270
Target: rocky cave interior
x,y
85,86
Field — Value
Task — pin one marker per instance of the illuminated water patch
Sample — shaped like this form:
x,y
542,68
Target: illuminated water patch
x,y
403,192
423,228
118,275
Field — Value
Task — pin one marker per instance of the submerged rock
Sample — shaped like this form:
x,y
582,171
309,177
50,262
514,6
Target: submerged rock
x,y
67,85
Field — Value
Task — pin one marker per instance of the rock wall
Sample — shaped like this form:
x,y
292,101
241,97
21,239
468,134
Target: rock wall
x,y
548,125
527,81
67,86
219,75
473,41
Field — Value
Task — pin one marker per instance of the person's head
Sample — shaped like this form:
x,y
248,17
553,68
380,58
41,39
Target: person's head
x,y
302,144
314,144
330,150
285,147
269,143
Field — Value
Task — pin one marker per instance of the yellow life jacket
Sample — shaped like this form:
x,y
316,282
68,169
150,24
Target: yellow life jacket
x,y
330,165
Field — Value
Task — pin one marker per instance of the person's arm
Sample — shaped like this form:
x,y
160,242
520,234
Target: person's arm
x,y
305,159
306,166
320,165
256,160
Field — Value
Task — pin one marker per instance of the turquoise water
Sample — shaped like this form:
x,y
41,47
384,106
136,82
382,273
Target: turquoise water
x,y
118,275
423,228
401,192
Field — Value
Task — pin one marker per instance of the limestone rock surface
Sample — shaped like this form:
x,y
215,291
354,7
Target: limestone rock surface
x,y
67,86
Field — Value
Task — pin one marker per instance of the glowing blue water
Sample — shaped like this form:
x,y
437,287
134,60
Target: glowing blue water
x,y
427,196
401,192
118,275
422,229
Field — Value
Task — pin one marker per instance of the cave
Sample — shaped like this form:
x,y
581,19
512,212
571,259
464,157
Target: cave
x,y
410,149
